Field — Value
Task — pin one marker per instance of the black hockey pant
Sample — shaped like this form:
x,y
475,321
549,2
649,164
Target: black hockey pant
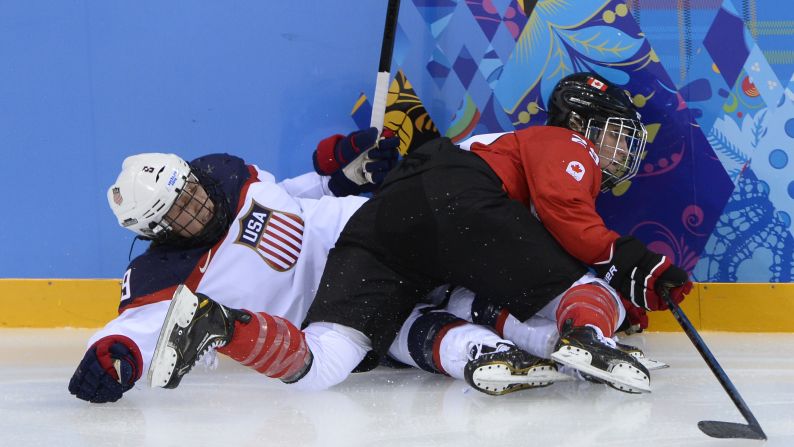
x,y
441,217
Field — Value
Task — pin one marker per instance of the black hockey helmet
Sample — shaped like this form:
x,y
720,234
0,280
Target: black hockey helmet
x,y
589,104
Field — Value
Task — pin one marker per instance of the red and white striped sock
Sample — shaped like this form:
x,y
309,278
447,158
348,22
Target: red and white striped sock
x,y
270,345
589,304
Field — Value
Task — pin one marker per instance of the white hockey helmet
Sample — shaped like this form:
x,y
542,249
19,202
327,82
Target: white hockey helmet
x,y
145,190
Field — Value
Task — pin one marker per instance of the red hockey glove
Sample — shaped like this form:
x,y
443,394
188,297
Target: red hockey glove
x,y
109,368
636,319
639,275
674,280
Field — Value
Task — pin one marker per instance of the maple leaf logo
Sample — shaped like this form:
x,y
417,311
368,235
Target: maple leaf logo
x,y
576,170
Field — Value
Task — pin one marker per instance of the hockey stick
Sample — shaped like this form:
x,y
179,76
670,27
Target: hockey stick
x,y
356,171
717,429
384,66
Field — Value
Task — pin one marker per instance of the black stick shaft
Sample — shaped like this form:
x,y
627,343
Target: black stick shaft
x,y
711,361
379,98
389,29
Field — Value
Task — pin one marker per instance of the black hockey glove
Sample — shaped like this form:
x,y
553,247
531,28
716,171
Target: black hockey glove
x,y
109,368
356,163
640,275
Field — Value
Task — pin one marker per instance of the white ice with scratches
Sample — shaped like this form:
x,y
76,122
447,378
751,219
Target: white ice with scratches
x,y
232,406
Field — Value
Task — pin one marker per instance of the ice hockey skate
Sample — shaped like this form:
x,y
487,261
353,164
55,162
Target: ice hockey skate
x,y
586,350
194,324
649,363
506,368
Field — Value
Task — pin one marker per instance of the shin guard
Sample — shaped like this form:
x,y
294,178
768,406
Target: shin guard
x,y
424,339
589,304
270,345
486,314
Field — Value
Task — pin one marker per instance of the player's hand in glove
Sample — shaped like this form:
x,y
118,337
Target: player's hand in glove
x,y
636,319
109,368
640,275
357,162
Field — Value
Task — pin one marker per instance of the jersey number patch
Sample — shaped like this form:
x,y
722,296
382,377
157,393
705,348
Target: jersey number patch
x,y
125,285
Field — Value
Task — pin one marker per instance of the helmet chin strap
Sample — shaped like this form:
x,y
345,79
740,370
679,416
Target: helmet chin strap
x,y
132,245
576,122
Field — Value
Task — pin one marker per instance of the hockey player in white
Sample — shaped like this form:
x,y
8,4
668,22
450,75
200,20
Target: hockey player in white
x,y
226,229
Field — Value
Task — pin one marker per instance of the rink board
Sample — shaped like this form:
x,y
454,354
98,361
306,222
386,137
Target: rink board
x,y
90,303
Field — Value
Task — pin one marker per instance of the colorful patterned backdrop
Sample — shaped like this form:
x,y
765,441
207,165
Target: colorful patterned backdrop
x,y
710,77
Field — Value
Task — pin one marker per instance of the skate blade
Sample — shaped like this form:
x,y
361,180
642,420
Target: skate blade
x,y
500,378
651,364
180,312
623,377
648,363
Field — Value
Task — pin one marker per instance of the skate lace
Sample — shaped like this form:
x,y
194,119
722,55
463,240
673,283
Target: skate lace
x,y
601,337
209,358
477,349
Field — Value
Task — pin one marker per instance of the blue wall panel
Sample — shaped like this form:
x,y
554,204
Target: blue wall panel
x,y
85,83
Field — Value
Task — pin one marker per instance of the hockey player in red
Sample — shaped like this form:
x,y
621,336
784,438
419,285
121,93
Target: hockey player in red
x,y
561,186
561,182
477,219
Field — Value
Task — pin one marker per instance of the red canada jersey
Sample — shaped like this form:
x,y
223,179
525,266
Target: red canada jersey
x,y
554,172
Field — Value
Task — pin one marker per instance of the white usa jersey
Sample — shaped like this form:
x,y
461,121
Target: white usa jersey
x,y
271,259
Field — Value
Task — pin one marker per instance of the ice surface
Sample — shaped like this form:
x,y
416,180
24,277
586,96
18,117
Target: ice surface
x,y
232,406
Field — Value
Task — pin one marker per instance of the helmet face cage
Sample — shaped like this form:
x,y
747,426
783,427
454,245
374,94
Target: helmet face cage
x,y
621,142
192,204
605,115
